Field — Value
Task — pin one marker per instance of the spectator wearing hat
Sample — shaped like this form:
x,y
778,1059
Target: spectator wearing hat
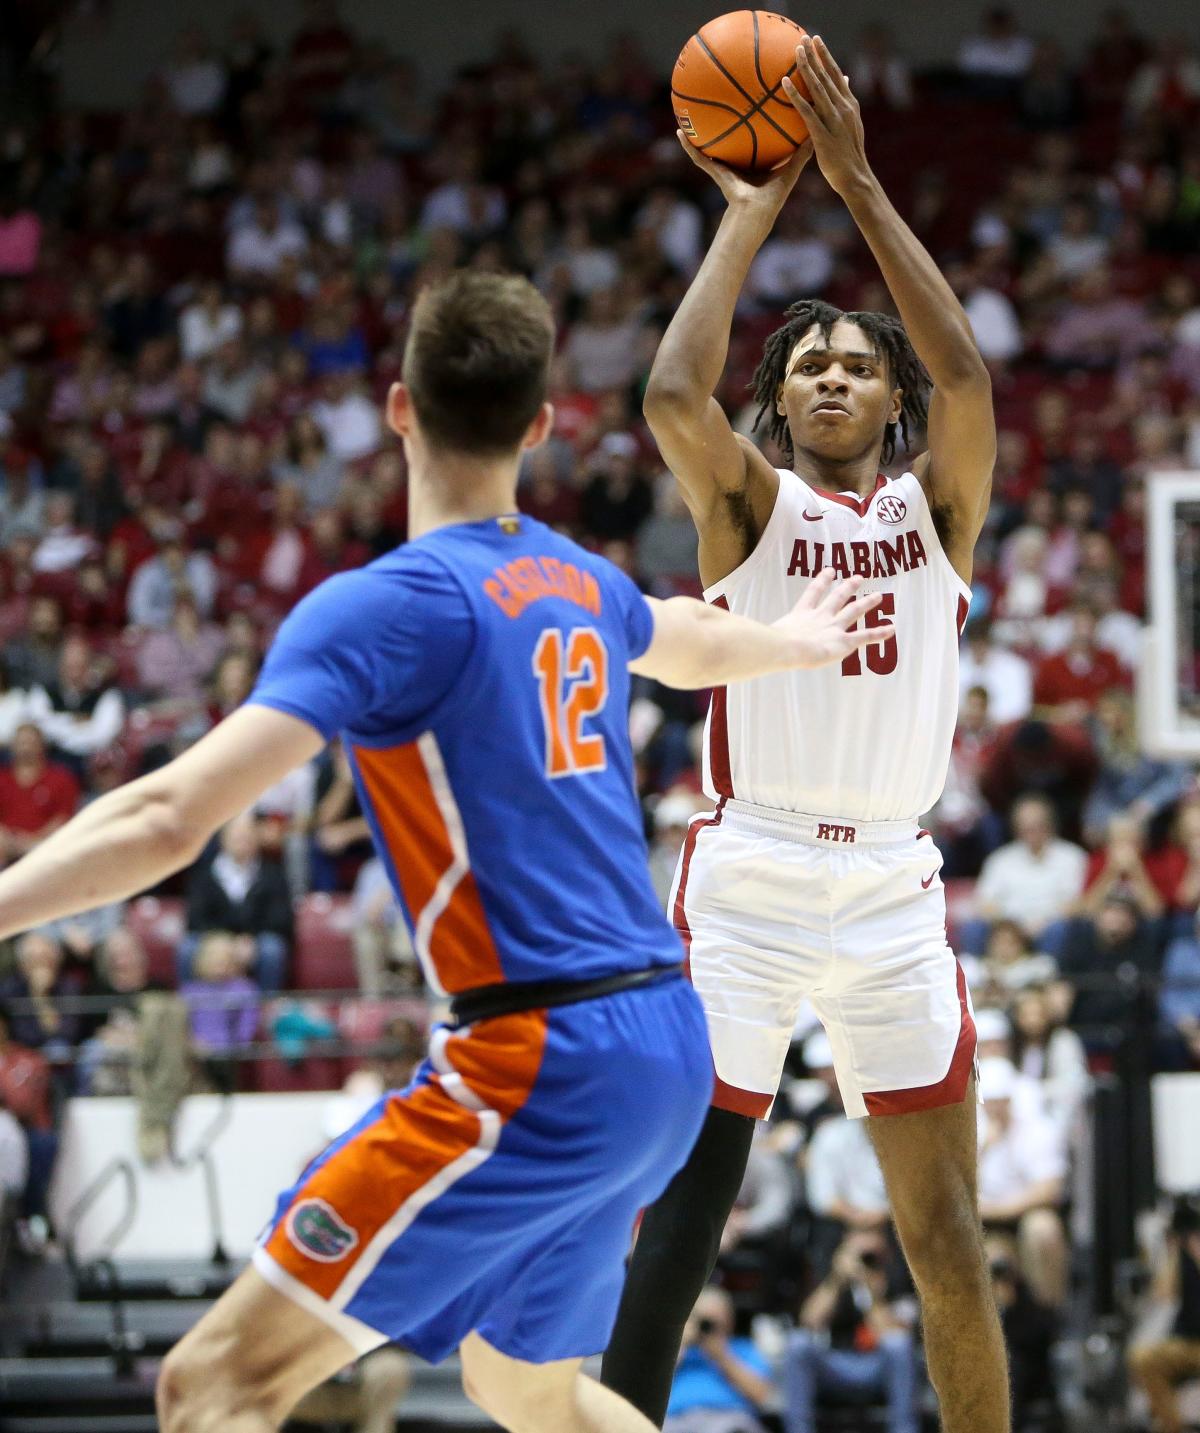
x,y
1022,1179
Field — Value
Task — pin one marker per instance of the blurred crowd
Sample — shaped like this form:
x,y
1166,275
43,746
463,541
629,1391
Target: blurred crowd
x,y
202,303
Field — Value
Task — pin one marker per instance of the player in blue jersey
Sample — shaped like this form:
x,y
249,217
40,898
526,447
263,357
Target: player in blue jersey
x,y
478,677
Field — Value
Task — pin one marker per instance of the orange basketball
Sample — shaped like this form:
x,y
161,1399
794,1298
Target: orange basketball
x,y
727,89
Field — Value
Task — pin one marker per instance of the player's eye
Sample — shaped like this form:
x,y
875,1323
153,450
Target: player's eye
x,y
864,370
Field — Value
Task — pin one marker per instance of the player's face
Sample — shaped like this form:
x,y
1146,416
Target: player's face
x,y
838,396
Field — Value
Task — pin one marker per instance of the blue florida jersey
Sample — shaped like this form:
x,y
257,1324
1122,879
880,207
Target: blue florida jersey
x,y
478,679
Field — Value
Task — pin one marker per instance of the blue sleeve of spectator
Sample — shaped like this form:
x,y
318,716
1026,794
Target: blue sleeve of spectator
x,y
370,651
748,1352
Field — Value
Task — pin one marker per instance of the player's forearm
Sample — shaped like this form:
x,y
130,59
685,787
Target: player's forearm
x,y
745,1381
935,321
117,846
691,356
713,648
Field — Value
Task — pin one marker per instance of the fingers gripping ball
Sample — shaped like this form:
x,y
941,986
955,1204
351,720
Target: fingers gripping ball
x,y
727,89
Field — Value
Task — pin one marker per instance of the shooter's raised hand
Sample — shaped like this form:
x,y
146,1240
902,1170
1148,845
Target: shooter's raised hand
x,y
832,115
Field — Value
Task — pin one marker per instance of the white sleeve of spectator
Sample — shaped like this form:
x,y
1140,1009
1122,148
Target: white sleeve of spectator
x,y
819,1169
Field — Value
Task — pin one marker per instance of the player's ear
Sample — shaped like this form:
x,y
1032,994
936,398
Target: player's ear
x,y
779,405
398,410
541,427
897,405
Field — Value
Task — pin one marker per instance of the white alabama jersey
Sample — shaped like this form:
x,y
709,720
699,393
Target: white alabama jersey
x,y
868,738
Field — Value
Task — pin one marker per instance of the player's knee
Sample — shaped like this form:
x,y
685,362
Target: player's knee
x,y
196,1395
944,1247
189,1394
519,1409
385,1376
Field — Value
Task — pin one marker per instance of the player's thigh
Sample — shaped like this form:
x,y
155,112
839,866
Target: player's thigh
x,y
930,1162
516,1393
895,1003
757,941
253,1340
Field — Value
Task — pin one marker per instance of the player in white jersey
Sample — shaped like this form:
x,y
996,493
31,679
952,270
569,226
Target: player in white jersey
x,y
812,878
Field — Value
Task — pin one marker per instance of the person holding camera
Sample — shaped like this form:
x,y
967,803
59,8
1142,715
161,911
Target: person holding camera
x,y
1030,1330
722,1383
1158,1367
855,1340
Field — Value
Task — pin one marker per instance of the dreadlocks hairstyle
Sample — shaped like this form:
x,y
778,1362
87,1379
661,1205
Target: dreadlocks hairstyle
x,y
890,342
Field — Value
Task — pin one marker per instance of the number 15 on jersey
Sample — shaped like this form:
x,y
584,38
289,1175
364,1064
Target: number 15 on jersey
x,y
882,656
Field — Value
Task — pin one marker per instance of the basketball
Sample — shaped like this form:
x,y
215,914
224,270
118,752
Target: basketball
x,y
727,89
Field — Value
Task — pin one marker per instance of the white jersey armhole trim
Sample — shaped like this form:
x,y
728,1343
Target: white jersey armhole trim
x,y
964,588
720,589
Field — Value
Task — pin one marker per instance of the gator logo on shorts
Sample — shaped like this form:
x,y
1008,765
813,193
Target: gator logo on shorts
x,y
319,1231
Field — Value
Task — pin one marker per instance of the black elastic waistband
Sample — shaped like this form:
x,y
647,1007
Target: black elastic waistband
x,y
485,1002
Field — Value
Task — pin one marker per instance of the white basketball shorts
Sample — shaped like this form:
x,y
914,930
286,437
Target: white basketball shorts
x,y
775,908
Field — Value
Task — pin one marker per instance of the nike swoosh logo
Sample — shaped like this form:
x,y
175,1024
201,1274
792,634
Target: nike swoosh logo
x,y
812,517
926,884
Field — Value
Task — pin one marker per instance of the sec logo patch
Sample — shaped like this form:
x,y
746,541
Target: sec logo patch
x,y
891,509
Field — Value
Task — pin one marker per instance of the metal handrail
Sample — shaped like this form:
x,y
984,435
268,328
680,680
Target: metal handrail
x,y
116,1166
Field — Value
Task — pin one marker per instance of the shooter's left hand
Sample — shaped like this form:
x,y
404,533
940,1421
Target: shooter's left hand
x,y
832,116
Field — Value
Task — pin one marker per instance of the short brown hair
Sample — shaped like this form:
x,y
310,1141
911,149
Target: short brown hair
x,y
477,361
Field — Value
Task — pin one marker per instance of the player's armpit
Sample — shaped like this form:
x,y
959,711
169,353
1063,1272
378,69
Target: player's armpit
x,y
956,472
728,485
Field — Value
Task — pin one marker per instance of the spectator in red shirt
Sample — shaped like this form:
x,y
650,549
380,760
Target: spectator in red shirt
x,y
36,796
24,1080
25,1091
1120,867
1069,683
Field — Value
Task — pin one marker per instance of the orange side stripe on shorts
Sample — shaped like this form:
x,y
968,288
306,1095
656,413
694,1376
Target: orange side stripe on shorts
x,y
371,1176
414,828
416,1138
499,1059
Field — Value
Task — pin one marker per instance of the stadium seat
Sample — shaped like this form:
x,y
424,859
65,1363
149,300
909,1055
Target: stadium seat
x,y
314,1072
159,924
324,953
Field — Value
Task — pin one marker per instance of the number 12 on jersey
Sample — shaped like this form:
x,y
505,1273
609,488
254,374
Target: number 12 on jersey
x,y
570,691
881,657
